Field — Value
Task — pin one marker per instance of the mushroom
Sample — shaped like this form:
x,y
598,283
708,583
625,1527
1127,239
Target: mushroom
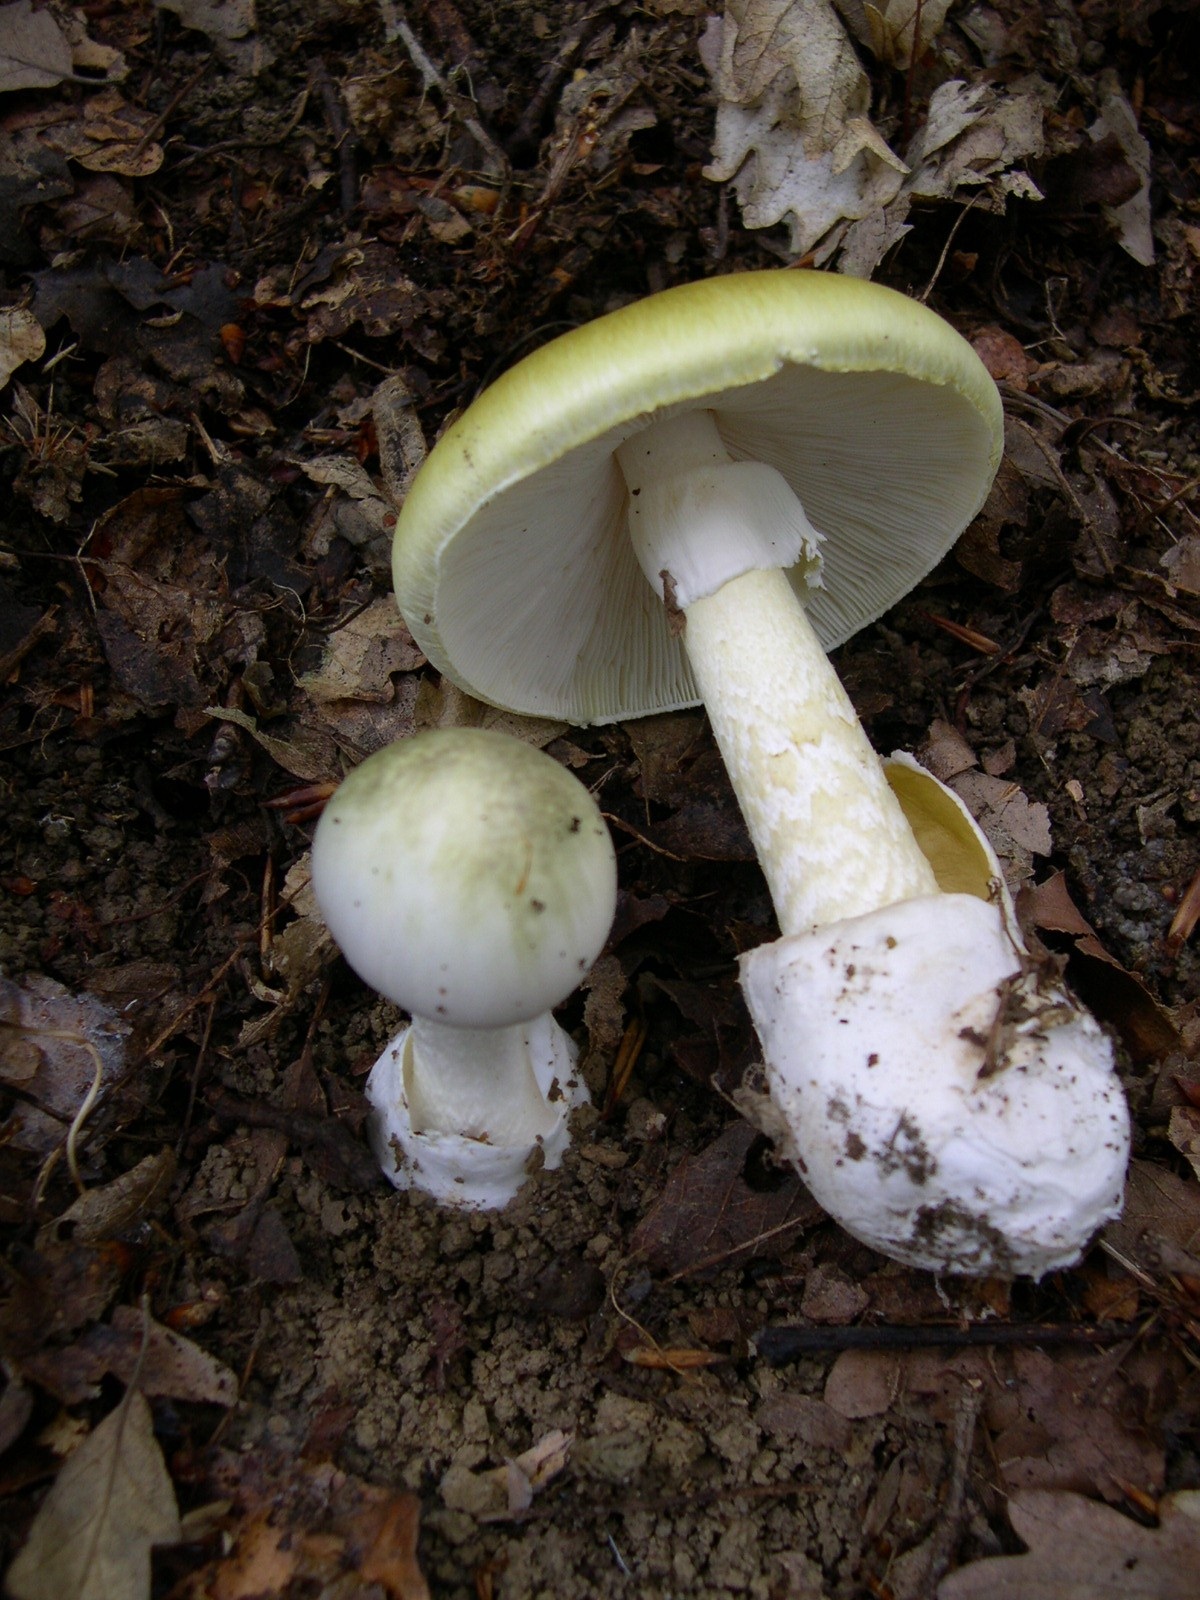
x,y
692,499
470,879
941,1092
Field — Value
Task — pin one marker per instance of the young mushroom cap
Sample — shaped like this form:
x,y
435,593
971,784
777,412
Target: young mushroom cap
x,y
470,879
941,1092
466,876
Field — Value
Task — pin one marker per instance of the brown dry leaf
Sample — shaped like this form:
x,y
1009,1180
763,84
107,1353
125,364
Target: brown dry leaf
x,y
307,754
1183,1130
1182,562
386,1533
1161,1219
35,53
1079,1550
708,1214
1131,219
50,1041
165,1364
1067,1422
21,337
230,24
974,138
1071,1422
888,27
109,136
792,131
368,288
800,1416
498,1493
864,1383
1017,828
308,1524
112,1501
362,655
110,1208
1117,996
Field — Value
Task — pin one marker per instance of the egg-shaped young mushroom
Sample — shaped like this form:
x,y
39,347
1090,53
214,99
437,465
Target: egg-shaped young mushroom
x,y
470,879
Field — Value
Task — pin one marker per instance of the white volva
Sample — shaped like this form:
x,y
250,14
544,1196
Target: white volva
x,y
942,1095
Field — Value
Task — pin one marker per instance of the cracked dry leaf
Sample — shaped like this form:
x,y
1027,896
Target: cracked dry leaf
x,y
362,656
111,1502
1080,1550
709,1214
109,135
792,131
973,137
54,1045
1132,219
230,24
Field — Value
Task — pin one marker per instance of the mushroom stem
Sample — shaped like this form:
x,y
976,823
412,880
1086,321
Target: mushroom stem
x,y
478,1082
829,833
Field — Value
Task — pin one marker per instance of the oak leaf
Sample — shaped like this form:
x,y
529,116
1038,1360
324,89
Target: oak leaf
x,y
1081,1550
110,1503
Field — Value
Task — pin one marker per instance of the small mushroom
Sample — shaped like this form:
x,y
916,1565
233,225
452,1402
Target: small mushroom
x,y
470,879
941,1092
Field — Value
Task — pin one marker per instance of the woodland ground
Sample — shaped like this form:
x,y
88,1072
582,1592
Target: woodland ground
x,y
195,622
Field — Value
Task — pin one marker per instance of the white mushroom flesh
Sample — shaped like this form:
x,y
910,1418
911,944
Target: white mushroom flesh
x,y
479,1082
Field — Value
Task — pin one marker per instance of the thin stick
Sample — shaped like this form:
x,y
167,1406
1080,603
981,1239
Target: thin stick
x,y
780,1344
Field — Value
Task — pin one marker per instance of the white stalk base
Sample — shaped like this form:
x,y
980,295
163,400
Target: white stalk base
x,y
944,1102
457,1169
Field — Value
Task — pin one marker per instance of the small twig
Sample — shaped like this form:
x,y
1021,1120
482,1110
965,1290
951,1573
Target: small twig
x,y
344,138
910,76
70,1146
941,261
780,1344
945,1535
524,137
12,659
1187,914
168,111
194,1084
395,26
627,827
721,1257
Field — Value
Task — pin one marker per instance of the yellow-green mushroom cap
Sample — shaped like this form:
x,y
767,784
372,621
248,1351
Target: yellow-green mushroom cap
x,y
512,563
